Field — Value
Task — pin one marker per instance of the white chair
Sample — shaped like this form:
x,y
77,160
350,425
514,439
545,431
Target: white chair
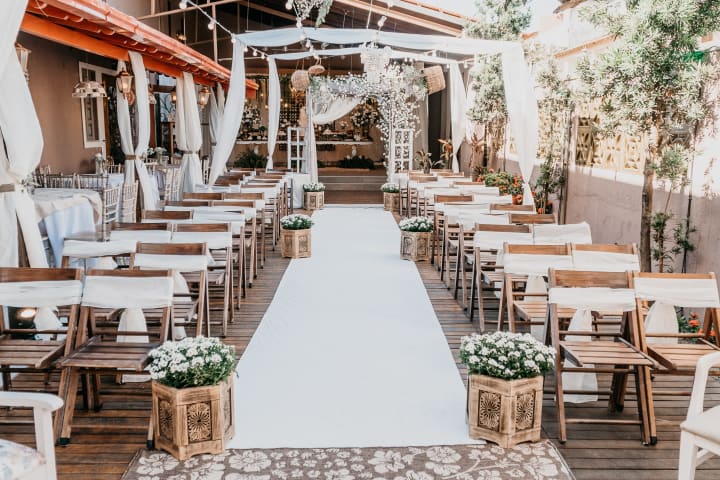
x,y
700,432
19,461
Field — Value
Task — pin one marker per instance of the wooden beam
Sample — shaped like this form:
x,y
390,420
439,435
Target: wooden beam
x,y
253,6
402,17
55,33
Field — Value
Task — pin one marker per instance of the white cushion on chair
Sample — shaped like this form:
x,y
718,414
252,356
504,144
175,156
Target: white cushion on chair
x,y
705,425
17,459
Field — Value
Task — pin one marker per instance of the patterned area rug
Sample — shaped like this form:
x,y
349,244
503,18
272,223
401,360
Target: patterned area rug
x,y
526,461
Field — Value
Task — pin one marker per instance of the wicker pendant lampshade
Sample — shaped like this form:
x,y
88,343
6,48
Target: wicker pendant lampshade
x,y
300,80
435,78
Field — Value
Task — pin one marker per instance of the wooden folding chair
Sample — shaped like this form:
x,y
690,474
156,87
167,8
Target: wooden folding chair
x,y
529,263
488,240
254,233
99,350
188,307
20,348
189,203
618,352
678,353
218,237
532,218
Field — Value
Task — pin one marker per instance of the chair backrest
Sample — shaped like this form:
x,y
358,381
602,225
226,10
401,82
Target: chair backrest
x,y
111,204
492,237
142,226
216,235
167,215
141,289
173,184
128,201
688,290
97,182
58,180
204,196
561,234
606,257
235,203
248,195
529,218
189,203
181,257
115,168
509,207
239,196
23,291
453,198
520,259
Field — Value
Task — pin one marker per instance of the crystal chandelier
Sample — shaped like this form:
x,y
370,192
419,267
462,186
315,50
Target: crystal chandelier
x,y
304,7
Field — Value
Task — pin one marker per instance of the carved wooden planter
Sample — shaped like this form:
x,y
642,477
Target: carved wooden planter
x,y
506,412
296,243
191,421
314,200
392,202
415,246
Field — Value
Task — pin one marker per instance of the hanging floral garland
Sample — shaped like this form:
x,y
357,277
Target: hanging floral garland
x,y
397,94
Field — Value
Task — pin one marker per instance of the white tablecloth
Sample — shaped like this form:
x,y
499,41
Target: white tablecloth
x,y
64,212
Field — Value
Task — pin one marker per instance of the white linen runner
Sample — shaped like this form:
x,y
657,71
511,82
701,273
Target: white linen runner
x,y
345,369
553,234
605,261
45,293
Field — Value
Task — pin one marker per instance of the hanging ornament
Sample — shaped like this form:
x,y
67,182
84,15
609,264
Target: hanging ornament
x,y
304,7
375,61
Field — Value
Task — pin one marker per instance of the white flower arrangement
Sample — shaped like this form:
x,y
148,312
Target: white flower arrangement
x,y
505,355
314,187
390,188
192,362
416,224
296,221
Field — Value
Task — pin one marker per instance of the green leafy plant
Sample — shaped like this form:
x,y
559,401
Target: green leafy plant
x,y
424,161
296,221
357,161
251,159
650,81
192,362
390,188
505,355
416,224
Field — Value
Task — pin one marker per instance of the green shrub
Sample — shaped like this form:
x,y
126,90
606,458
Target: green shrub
x,y
357,161
250,159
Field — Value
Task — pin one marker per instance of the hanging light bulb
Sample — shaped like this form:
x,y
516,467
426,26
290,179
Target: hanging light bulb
x,y
173,96
203,96
289,4
254,53
308,44
246,49
183,4
390,3
382,21
211,25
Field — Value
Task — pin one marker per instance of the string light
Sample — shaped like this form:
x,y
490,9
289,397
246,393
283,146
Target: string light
x,y
183,4
381,22
233,39
211,25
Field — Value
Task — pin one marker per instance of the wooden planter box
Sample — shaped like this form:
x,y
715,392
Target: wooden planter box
x,y
314,200
506,412
191,421
296,243
415,246
392,202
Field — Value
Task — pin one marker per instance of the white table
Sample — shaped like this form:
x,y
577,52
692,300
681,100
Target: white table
x,y
64,212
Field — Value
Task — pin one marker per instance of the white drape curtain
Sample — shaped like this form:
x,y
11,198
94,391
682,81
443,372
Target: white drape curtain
x,y
310,147
188,132
133,160
232,116
458,112
213,117
421,134
520,97
23,141
273,109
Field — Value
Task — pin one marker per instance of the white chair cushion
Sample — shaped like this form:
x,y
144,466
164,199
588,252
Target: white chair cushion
x,y
17,459
705,425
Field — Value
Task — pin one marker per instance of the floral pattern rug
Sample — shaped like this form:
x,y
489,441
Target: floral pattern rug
x,y
473,462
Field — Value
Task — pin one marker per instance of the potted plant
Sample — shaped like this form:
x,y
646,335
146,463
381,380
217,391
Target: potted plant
x,y
424,161
505,386
391,196
192,396
295,238
314,198
415,238
515,188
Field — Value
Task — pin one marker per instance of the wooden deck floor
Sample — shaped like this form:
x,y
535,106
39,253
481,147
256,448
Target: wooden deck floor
x,y
104,443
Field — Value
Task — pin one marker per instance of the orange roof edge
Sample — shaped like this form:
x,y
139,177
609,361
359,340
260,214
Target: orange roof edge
x,y
97,12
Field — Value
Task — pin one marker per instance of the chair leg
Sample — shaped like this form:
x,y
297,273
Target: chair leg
x,y
69,408
688,456
560,399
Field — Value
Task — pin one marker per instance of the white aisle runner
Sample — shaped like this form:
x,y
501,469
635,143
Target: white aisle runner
x,y
350,352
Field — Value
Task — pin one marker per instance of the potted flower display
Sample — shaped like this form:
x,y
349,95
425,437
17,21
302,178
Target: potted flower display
x,y
415,238
295,236
505,386
391,196
314,198
192,405
516,189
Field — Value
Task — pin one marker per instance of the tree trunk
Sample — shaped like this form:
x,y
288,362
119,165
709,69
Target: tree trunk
x,y
648,191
